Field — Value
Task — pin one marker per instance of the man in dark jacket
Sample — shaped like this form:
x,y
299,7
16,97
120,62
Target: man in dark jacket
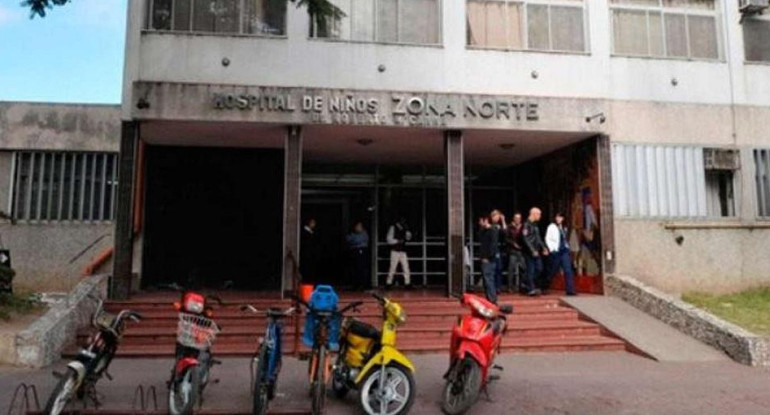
x,y
534,250
489,249
514,243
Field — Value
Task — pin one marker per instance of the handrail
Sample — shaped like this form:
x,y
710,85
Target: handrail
x,y
296,278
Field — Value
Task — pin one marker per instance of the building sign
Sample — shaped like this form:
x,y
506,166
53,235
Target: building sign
x,y
397,109
324,106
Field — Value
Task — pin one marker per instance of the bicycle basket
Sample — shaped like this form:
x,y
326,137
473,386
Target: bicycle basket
x,y
196,331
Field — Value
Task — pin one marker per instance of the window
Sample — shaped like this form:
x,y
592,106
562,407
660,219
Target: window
x,y
762,176
391,21
666,28
756,32
720,165
673,181
545,25
256,17
55,186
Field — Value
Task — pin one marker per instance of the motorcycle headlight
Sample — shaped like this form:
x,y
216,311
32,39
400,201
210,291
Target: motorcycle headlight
x,y
481,309
401,317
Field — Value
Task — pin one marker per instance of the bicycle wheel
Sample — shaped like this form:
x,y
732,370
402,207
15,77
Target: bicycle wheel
x,y
62,393
318,388
260,388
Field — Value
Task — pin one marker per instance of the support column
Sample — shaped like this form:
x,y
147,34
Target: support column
x,y
607,213
124,235
292,199
455,182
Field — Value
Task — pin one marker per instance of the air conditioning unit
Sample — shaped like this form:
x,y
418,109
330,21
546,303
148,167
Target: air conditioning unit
x,y
753,6
721,159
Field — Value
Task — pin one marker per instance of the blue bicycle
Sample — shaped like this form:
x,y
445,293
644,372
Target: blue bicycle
x,y
266,363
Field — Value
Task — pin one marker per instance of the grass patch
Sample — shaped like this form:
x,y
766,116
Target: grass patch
x,y
749,309
15,304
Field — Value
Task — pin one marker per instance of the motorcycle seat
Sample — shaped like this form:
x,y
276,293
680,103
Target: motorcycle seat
x,y
359,328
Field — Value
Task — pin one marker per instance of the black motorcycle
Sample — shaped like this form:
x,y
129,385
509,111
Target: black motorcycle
x,y
92,361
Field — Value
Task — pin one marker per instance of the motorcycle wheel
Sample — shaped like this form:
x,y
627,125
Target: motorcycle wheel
x,y
395,398
339,385
62,393
183,395
260,391
462,391
318,388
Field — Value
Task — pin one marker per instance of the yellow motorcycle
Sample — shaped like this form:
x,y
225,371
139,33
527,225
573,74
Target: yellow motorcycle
x,y
370,362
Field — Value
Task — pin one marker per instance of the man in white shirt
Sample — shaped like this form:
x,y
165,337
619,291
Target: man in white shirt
x,y
398,235
556,241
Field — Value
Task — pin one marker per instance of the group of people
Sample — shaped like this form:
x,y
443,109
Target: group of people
x,y
518,243
357,245
521,243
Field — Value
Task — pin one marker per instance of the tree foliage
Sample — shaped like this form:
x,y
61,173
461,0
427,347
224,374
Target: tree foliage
x,y
318,9
39,7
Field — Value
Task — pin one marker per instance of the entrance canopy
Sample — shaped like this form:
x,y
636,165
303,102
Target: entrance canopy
x,y
365,144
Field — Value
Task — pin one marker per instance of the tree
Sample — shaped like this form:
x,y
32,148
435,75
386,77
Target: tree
x,y
319,10
39,7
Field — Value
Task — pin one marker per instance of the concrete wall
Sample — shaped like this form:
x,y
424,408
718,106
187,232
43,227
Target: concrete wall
x,y
297,60
51,255
709,259
719,255
71,127
722,103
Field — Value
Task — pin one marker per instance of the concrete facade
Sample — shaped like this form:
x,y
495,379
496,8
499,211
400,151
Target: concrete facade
x,y
722,103
48,254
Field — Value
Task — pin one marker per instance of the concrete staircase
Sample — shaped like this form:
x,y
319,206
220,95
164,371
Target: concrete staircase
x,y
544,324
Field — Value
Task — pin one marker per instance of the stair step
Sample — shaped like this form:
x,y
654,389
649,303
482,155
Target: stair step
x,y
542,324
571,344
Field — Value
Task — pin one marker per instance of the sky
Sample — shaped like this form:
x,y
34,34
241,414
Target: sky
x,y
74,54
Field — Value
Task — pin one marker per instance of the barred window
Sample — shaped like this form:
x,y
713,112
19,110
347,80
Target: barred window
x,y
391,21
756,38
545,25
673,181
254,17
59,186
666,28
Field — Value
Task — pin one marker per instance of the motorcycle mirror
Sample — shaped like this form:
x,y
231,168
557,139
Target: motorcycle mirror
x,y
506,309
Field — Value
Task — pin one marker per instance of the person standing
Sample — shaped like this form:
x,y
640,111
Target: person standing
x,y
497,222
309,252
488,249
534,250
358,248
398,235
556,240
514,245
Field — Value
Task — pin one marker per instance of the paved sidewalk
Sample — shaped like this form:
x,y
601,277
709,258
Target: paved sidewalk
x,y
594,383
650,335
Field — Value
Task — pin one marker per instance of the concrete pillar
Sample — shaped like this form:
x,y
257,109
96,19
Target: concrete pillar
x,y
124,237
455,182
607,212
292,200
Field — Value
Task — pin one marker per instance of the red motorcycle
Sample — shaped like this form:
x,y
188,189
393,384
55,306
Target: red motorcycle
x,y
475,343
195,335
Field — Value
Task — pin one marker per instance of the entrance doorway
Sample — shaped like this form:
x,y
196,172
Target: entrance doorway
x,y
339,196
213,217
335,211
